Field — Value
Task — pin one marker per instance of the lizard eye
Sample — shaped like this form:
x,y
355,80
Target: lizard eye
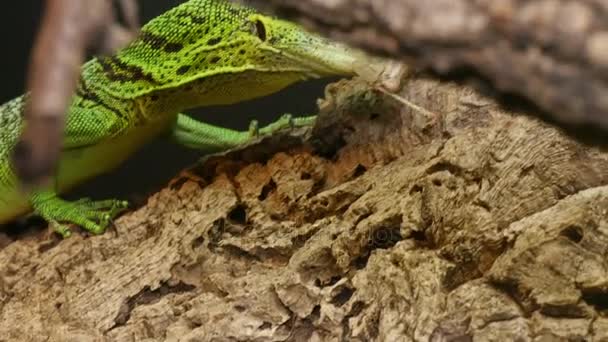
x,y
260,30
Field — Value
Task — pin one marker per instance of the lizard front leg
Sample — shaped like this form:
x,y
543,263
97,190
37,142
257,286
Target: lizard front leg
x,y
93,216
210,139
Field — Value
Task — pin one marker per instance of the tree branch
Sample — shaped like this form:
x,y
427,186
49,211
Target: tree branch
x,y
69,27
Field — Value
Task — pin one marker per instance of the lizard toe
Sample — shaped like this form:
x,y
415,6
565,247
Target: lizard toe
x,y
254,129
61,229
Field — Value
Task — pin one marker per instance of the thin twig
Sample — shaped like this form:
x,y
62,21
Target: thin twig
x,y
68,28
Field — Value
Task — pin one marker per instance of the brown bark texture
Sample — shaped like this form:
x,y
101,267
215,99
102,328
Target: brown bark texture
x,y
380,224
552,52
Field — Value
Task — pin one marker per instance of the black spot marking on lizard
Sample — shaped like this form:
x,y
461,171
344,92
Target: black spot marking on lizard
x,y
197,20
83,91
235,11
193,18
214,59
173,47
105,65
155,42
119,71
214,41
183,69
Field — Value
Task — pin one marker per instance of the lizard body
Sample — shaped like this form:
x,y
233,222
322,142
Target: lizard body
x,y
200,53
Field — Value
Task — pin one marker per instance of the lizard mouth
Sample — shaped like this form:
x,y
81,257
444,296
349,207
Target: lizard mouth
x,y
328,60
321,58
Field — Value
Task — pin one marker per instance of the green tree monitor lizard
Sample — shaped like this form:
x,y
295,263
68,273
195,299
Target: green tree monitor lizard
x,y
200,53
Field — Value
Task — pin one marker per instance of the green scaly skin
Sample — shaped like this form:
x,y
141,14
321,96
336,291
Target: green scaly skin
x,y
201,53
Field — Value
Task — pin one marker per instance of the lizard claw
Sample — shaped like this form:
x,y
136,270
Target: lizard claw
x,y
254,129
286,120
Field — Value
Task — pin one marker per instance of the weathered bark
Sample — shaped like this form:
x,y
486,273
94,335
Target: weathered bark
x,y
554,52
387,225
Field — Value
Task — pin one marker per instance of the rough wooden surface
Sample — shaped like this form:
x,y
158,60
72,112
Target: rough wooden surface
x,y
475,224
554,52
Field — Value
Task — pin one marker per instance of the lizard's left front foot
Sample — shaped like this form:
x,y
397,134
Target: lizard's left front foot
x,y
93,216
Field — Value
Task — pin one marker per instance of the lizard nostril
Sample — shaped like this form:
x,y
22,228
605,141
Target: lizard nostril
x,y
260,30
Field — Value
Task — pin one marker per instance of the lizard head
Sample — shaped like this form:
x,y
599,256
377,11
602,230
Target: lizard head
x,y
285,46
213,47
233,39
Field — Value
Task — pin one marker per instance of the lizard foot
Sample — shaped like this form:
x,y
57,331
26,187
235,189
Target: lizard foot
x,y
286,121
93,216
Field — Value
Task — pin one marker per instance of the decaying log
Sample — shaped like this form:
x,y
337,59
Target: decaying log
x,y
553,52
380,224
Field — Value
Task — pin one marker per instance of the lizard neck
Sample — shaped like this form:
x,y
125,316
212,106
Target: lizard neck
x,y
91,92
222,88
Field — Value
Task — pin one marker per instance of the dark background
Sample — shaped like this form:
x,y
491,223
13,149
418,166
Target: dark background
x,y
154,166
